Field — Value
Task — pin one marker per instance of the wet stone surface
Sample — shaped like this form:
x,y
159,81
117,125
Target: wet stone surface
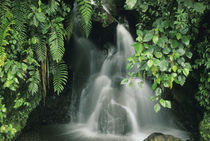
x,y
161,137
113,119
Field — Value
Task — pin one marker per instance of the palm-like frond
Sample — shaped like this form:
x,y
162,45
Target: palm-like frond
x,y
19,11
60,77
54,4
56,42
4,7
86,28
41,49
6,22
69,27
85,10
34,82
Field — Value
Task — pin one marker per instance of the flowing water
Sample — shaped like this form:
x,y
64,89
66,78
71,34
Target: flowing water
x,y
109,111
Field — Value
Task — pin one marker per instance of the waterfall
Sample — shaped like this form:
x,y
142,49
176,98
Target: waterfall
x,y
109,111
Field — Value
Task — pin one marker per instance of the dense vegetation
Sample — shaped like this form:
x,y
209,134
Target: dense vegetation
x,y
172,45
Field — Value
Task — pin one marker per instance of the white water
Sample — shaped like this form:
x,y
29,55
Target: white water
x,y
109,111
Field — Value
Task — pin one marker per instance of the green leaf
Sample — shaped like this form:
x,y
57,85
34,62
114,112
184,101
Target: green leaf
x,y
162,102
40,17
199,7
150,63
148,37
174,43
181,51
174,68
168,104
166,50
186,71
18,103
163,65
156,62
189,54
158,54
165,103
124,81
181,80
139,33
161,42
155,39
178,36
85,10
154,86
158,92
186,40
157,107
144,7
129,4
129,66
138,47
60,77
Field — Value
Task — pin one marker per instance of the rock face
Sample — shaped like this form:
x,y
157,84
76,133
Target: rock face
x,y
113,120
161,137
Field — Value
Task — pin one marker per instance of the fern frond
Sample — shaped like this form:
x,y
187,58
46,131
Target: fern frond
x,y
56,42
6,22
4,7
85,10
19,10
86,28
60,77
54,4
41,49
69,27
34,82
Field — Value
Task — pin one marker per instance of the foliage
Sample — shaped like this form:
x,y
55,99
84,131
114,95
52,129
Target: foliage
x,y
31,44
6,22
60,77
165,33
202,64
205,127
85,10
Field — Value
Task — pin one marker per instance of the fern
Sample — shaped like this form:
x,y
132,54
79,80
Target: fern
x,y
85,10
41,49
4,7
6,22
69,28
34,82
19,10
54,4
60,77
86,28
56,42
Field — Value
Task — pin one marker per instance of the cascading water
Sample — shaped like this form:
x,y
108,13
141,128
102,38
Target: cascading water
x,y
109,111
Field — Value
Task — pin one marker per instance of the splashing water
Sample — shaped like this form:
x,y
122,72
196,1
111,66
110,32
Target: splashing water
x,y
109,111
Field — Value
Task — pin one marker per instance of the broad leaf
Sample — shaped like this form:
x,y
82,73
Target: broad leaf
x,y
157,107
129,4
148,37
163,65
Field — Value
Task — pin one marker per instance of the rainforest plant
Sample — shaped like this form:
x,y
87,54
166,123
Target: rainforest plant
x,y
170,48
32,37
165,35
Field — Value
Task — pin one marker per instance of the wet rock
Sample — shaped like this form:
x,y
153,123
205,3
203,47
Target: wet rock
x,y
161,137
113,120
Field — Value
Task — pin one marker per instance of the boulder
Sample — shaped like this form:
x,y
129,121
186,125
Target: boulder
x,y
113,120
161,137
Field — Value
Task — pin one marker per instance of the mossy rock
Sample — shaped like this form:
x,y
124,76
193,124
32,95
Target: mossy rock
x,y
161,137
